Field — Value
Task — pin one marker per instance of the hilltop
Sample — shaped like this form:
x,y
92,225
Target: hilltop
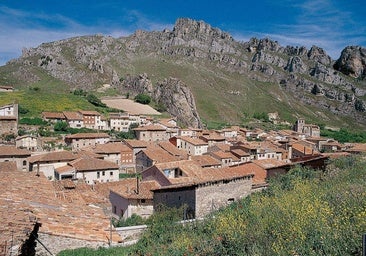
x,y
202,75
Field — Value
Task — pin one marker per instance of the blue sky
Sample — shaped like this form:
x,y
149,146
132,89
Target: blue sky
x,y
331,25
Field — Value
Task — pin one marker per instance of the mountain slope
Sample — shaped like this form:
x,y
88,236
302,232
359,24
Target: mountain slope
x,y
230,80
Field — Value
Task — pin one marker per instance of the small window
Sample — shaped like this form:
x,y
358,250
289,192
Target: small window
x,y
230,200
143,201
114,209
98,175
111,173
103,173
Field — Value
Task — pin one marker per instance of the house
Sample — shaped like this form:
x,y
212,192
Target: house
x,y
93,120
46,163
81,140
136,146
152,155
274,167
186,184
9,119
357,148
110,151
212,139
226,158
53,117
133,196
228,133
151,133
241,154
89,170
299,149
13,154
192,146
74,119
310,130
173,150
29,142
206,161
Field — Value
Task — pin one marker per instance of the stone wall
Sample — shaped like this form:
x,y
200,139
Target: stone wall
x,y
55,244
214,196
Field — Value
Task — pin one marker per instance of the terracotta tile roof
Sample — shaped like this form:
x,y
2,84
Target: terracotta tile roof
x,y
26,198
110,148
212,136
57,156
72,115
336,154
6,151
303,149
206,160
53,115
128,189
8,166
88,154
89,113
136,143
193,141
166,123
91,135
173,150
92,164
159,155
150,128
239,152
357,147
197,175
271,163
224,155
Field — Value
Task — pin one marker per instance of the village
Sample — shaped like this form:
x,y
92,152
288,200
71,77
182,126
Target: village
x,y
67,198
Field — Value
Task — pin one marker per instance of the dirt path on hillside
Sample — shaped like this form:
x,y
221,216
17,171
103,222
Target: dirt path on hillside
x,y
129,106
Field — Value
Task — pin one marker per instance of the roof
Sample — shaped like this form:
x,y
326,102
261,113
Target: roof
x,y
89,113
72,115
213,137
110,148
92,164
206,160
357,147
271,163
128,188
239,152
303,149
91,135
151,127
26,199
53,115
8,118
173,150
158,154
8,166
224,155
136,143
55,156
193,141
6,151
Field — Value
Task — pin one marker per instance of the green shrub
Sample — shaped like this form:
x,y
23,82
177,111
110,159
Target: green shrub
x,y
91,98
32,121
143,98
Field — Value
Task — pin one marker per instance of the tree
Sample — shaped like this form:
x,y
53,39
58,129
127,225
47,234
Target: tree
x,y
60,127
95,100
143,98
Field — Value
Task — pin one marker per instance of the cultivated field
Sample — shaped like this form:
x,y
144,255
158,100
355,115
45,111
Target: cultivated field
x,y
129,106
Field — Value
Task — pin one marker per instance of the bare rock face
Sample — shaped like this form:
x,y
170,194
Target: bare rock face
x,y
137,84
179,100
352,61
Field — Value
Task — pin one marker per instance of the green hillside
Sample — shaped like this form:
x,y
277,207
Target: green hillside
x,y
302,213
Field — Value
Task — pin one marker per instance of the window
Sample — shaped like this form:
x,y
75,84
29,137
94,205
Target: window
x,y
111,173
230,200
98,175
114,209
103,173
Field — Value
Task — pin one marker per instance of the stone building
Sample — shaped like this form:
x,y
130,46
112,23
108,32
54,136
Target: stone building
x,y
13,154
310,130
200,190
9,119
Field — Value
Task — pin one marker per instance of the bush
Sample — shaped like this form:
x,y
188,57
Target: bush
x,y
95,101
134,220
143,98
32,121
261,116
60,127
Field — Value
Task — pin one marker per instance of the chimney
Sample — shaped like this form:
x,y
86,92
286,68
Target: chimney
x,y
137,185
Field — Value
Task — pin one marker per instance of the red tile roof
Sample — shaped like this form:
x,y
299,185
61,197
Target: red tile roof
x,y
92,164
72,115
206,160
91,135
56,156
6,151
150,128
128,189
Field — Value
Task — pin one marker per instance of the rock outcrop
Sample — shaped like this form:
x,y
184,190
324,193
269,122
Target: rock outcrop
x,y
352,62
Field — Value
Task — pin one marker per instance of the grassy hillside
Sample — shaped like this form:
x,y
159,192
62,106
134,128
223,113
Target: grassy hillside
x,y
302,213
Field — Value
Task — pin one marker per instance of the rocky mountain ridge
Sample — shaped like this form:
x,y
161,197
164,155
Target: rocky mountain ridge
x,y
308,75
